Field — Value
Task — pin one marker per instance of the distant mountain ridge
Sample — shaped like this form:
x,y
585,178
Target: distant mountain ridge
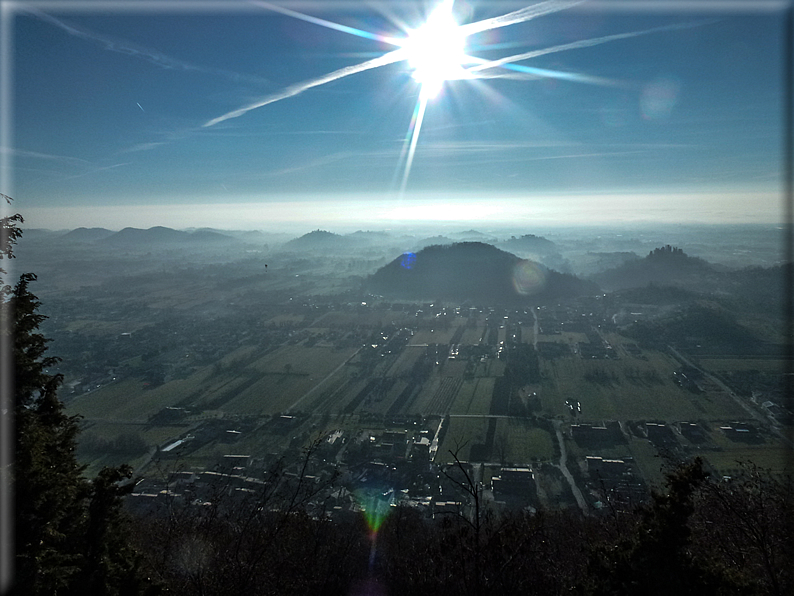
x,y
87,235
529,243
472,236
473,271
318,240
666,265
159,235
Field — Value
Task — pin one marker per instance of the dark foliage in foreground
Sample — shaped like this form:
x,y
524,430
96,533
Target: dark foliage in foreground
x,y
71,535
698,536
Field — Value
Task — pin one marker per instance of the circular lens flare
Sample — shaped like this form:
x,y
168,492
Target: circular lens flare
x,y
528,278
408,260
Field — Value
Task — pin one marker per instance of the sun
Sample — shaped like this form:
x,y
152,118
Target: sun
x,y
436,51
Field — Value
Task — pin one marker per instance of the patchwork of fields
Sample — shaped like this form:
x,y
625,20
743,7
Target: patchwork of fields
x,y
390,365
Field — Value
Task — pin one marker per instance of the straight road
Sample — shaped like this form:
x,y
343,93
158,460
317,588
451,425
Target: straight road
x,y
328,376
577,494
535,329
765,421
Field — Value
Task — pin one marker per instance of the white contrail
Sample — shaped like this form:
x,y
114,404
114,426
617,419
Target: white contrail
x,y
511,18
519,16
296,89
584,43
329,24
128,48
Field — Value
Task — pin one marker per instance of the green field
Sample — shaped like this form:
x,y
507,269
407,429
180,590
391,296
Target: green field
x,y
628,389
515,442
471,336
288,375
128,400
322,379
770,365
771,454
525,443
461,435
433,336
474,396
269,384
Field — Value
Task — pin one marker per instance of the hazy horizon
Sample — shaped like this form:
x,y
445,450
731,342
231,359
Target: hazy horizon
x,y
352,214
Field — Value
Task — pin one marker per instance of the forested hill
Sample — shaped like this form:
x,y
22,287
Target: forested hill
x,y
473,271
318,240
667,265
87,235
530,243
160,236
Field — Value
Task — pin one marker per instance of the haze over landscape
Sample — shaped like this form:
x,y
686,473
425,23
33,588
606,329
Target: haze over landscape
x,y
397,297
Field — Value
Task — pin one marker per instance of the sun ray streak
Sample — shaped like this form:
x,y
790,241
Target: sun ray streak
x,y
298,88
519,16
405,144
544,73
329,24
436,54
420,116
511,18
575,45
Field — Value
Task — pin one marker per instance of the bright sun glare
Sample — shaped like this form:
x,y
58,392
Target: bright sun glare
x,y
436,51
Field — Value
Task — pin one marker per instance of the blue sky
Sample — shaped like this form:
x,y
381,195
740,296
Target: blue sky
x,y
109,102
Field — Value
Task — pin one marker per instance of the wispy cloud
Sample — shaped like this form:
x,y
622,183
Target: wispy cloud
x,y
97,170
166,137
45,156
129,48
144,146
323,161
318,132
60,165
482,152
490,145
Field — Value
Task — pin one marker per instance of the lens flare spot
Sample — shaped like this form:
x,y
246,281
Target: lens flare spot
x,y
659,98
375,508
528,278
408,260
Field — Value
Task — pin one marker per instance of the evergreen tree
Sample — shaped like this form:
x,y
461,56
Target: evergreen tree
x,y
69,531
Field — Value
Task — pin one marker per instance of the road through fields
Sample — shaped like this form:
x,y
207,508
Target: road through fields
x,y
321,381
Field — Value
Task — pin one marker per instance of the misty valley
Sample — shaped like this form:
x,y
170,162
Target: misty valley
x,y
397,297
562,370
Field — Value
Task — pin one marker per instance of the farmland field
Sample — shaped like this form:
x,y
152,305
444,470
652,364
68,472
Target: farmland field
x,y
623,390
278,358
525,442
474,396
462,434
772,365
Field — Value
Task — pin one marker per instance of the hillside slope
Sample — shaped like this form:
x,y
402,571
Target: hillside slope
x,y
473,271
